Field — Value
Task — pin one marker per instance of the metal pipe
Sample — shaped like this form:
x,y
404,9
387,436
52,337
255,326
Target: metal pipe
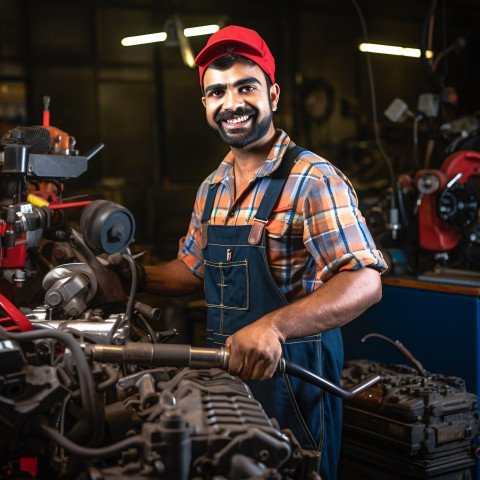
x,y
160,355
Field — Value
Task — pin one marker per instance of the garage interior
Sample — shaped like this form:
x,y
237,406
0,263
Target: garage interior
x,y
404,130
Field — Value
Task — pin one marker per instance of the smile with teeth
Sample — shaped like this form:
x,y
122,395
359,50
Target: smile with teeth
x,y
233,121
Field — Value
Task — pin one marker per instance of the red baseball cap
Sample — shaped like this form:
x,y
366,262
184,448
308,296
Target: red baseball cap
x,y
241,41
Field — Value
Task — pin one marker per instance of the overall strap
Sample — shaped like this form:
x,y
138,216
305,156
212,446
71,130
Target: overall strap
x,y
207,212
207,209
278,179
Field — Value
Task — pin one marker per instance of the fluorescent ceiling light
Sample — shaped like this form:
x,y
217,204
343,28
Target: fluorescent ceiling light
x,y
142,39
162,36
203,30
392,50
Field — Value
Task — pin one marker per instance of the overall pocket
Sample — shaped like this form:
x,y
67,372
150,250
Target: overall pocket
x,y
228,285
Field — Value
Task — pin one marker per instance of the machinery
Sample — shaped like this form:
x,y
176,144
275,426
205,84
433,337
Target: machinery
x,y
414,424
435,205
35,162
448,207
88,388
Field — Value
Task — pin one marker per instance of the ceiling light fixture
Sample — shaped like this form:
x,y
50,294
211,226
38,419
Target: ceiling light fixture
x,y
203,30
143,39
162,36
392,50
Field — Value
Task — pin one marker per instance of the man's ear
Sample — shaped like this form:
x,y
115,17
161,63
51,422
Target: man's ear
x,y
274,95
204,102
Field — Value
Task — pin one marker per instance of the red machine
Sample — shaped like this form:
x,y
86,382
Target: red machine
x,y
449,201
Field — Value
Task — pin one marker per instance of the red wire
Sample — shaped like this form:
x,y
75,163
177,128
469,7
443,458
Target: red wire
x,y
58,206
15,314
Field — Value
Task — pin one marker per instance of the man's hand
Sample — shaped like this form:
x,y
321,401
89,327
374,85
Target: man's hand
x,y
123,268
255,351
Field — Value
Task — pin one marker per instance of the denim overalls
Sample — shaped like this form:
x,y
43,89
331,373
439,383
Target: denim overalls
x,y
240,289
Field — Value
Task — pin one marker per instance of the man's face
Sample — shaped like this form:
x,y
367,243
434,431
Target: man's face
x,y
239,104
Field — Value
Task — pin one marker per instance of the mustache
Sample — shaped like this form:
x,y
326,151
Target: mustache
x,y
227,115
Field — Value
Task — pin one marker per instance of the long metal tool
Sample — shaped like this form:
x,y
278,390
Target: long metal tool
x,y
170,355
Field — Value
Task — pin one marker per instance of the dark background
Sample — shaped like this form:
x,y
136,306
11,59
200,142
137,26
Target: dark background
x,y
144,104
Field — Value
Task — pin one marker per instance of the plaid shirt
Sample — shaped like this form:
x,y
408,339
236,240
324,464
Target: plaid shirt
x,y
314,231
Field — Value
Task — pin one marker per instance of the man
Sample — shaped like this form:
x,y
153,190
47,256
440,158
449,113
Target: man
x,y
279,245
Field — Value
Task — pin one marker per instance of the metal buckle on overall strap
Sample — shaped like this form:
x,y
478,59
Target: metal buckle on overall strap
x,y
256,231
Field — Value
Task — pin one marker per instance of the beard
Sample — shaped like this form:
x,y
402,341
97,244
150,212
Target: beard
x,y
241,137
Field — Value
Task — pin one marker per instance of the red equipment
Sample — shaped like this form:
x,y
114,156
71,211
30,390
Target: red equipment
x,y
449,203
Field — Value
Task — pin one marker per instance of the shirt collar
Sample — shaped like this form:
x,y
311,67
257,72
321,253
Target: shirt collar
x,y
272,162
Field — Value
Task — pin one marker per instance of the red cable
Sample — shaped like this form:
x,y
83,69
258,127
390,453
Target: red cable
x,y
15,314
58,206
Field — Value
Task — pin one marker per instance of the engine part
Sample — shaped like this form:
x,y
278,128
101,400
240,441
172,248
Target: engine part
x,y
107,227
419,426
70,287
161,423
18,160
114,329
458,206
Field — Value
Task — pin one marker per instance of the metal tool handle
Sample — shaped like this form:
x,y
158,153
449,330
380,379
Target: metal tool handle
x,y
162,355
290,368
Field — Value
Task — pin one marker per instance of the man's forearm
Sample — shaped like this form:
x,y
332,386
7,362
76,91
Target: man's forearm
x,y
340,300
172,279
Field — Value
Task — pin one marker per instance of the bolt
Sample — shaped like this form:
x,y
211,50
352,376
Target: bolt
x,y
43,349
115,234
19,278
54,298
118,339
263,455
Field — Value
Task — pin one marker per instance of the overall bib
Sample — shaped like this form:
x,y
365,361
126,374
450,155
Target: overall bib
x,y
240,289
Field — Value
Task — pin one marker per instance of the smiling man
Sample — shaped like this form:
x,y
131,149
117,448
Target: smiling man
x,y
279,245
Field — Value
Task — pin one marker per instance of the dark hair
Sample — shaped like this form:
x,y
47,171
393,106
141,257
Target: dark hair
x,y
229,59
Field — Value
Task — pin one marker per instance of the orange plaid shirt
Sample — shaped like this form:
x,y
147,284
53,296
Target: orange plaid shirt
x,y
314,231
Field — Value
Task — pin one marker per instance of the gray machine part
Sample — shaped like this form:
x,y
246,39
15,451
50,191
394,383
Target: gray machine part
x,y
107,227
71,287
19,160
113,329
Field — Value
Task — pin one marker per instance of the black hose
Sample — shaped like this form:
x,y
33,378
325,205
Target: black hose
x,y
373,100
147,327
41,427
432,82
129,310
112,379
133,267
87,386
403,350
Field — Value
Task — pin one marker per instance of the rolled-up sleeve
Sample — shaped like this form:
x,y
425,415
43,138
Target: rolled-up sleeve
x,y
335,232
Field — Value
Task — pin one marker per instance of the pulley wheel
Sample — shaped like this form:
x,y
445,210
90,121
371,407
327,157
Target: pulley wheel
x,y
107,227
